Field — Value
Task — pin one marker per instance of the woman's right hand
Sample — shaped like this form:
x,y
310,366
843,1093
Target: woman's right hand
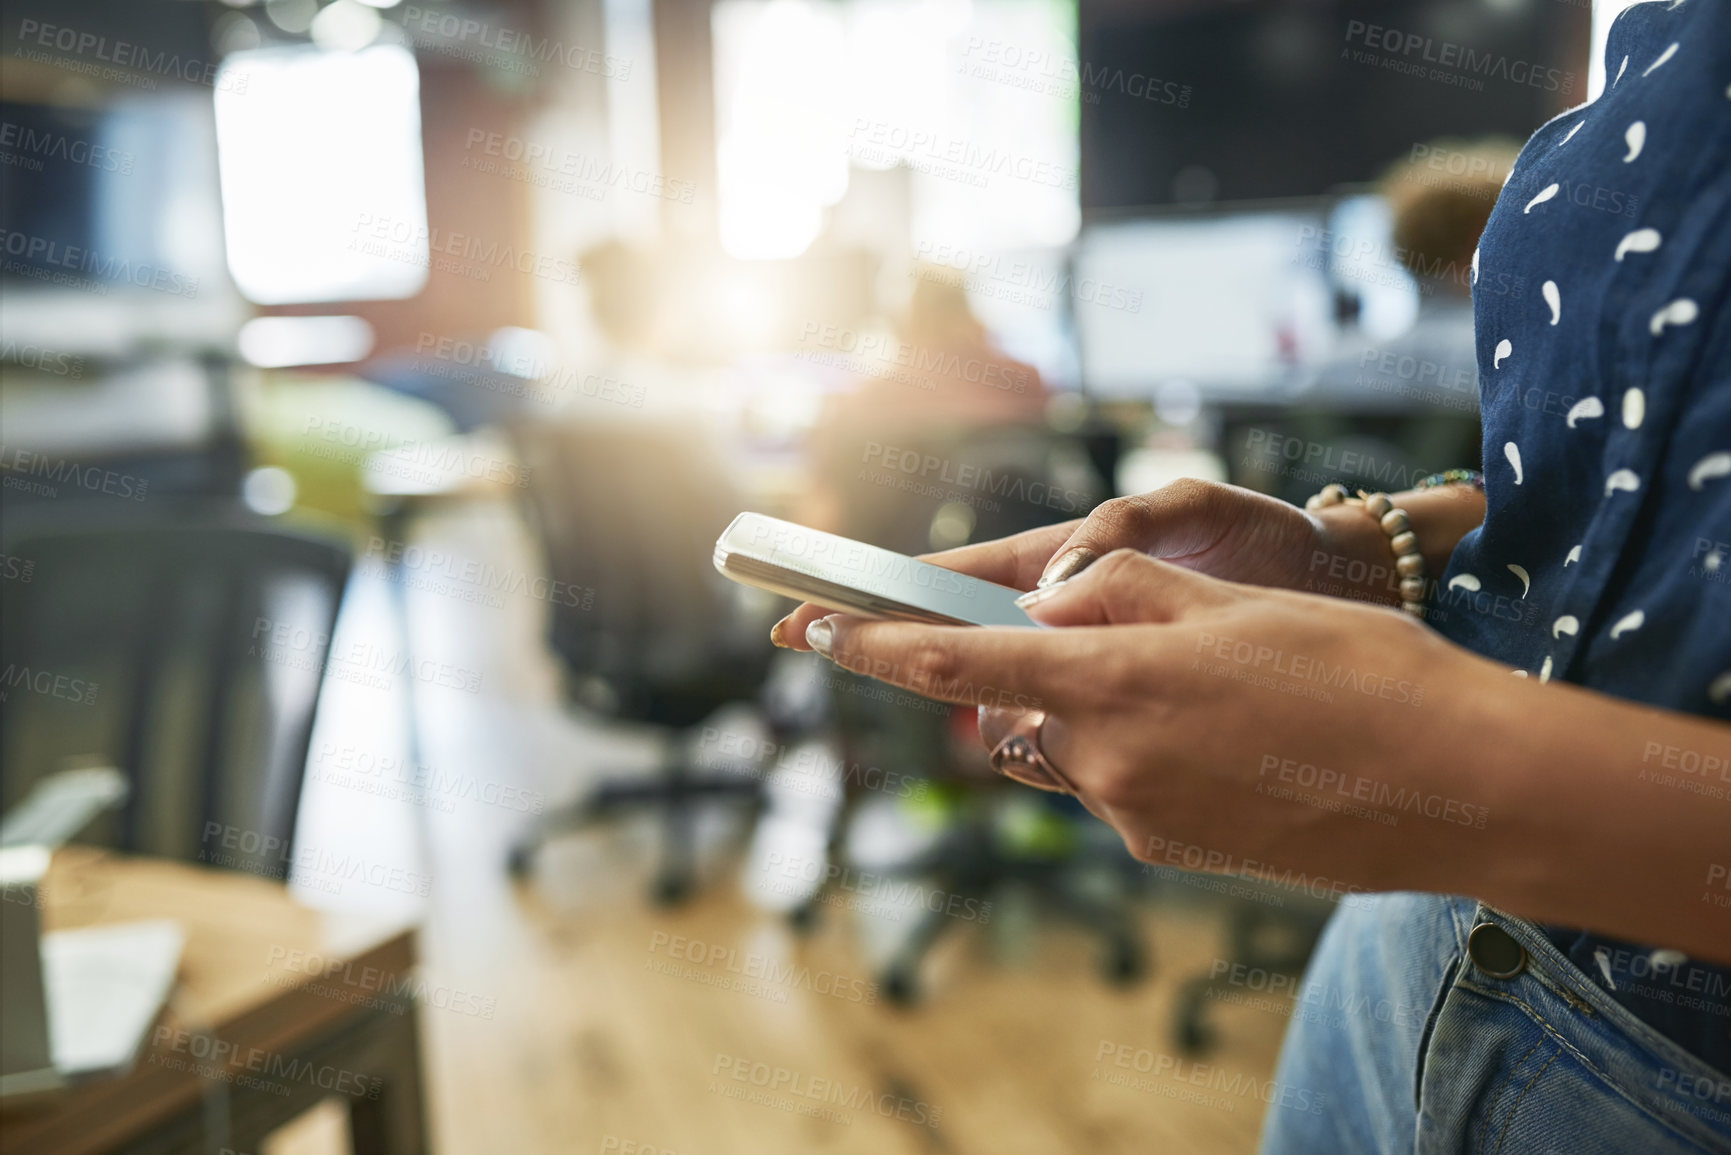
x,y
1221,530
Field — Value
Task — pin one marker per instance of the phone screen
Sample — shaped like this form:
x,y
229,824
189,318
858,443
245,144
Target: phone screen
x,y
853,577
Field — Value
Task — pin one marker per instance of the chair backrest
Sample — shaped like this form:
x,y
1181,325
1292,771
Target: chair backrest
x,y
628,512
183,645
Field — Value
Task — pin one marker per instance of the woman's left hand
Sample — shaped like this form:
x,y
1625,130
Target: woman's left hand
x,y
1215,726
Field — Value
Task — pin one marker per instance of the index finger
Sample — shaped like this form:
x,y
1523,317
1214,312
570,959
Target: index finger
x,y
1000,668
1014,561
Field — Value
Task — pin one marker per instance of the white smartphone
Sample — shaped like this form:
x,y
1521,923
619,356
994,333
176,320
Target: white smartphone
x,y
855,578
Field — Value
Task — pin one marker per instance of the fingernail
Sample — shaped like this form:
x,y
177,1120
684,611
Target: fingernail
x,y
778,634
1038,594
1066,567
820,636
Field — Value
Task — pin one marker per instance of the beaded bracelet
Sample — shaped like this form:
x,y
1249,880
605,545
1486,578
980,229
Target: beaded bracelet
x,y
1470,477
1408,561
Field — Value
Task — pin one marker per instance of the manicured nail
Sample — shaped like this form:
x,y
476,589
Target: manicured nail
x,y
1038,594
1066,567
820,636
778,634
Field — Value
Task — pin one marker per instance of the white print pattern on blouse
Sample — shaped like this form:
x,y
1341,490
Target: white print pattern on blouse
x,y
1582,410
1571,133
1719,689
1504,348
1628,622
1546,194
1623,479
1635,136
1513,453
1663,56
1545,670
1567,624
1620,68
1464,581
1679,312
1526,580
1639,241
1713,465
1554,299
1476,260
1634,408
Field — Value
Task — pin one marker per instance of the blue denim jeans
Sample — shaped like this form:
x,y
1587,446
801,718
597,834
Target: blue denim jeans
x,y
1414,1048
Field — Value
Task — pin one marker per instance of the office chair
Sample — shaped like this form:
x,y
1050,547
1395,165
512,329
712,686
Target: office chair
x,y
627,513
183,644
1016,468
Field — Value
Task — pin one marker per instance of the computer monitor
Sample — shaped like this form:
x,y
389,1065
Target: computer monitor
x,y
1229,304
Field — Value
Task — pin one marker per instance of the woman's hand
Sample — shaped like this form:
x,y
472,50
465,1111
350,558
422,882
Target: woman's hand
x,y
1266,733
1186,710
1223,530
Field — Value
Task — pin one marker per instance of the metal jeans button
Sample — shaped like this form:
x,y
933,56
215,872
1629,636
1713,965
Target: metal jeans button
x,y
1495,952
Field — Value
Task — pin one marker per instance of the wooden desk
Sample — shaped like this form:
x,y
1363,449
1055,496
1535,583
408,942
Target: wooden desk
x,y
278,1006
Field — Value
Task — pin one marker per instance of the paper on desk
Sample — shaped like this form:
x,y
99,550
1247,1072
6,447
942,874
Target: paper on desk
x,y
105,985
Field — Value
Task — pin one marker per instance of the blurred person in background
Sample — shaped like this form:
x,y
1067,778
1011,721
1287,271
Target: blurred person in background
x,y
1540,732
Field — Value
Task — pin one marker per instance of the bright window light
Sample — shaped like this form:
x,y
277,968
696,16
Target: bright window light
x,y
322,189
278,342
977,102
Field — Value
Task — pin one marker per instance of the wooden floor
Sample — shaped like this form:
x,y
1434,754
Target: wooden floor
x,y
566,1026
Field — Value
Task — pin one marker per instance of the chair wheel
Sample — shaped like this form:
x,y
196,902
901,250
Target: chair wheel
x,y
802,919
901,986
519,860
1123,963
670,891
1194,1037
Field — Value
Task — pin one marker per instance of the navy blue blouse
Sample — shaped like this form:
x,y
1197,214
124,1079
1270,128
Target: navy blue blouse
x,y
1604,351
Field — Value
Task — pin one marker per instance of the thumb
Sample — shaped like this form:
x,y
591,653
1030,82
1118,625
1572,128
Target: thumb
x,y
1126,587
1187,517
